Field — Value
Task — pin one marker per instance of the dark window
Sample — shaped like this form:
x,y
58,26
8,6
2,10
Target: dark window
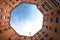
x,y
57,2
13,3
58,20
35,0
48,4
19,39
43,32
0,31
24,37
46,35
58,11
54,3
8,17
52,13
17,0
45,8
43,19
4,29
50,28
35,38
51,38
9,39
0,16
9,27
46,26
41,39
51,19
0,23
38,33
56,30
10,0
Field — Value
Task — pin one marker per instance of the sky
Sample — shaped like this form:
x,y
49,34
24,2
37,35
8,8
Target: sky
x,y
25,19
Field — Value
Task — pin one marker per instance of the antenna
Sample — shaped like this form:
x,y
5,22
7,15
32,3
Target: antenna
x,y
30,35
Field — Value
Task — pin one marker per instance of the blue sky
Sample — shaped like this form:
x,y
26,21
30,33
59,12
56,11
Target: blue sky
x,y
26,18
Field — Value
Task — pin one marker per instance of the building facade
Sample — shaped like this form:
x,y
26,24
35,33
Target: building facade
x,y
51,20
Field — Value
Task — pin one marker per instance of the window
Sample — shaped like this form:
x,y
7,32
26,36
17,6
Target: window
x,y
35,0
4,23
44,19
52,13
51,19
0,16
0,9
4,17
10,0
58,20
8,17
13,3
0,23
57,2
38,33
9,39
17,0
0,31
46,35
4,29
56,30
24,37
5,11
43,32
10,28
36,38
50,28
49,13
49,5
9,6
19,39
4,3
58,11
41,39
51,38
47,19
45,8
7,22
46,26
